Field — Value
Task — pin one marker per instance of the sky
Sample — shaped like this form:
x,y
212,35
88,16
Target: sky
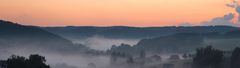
x,y
112,12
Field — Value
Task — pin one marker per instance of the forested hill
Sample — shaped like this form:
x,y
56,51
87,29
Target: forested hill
x,y
18,36
183,42
74,32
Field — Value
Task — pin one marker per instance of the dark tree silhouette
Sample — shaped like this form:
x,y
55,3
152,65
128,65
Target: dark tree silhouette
x,y
207,58
16,62
3,64
116,55
142,54
156,58
34,61
37,61
142,57
130,60
113,58
185,56
174,57
235,58
91,65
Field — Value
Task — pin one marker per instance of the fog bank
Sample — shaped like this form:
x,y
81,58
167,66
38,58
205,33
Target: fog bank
x,y
102,43
56,60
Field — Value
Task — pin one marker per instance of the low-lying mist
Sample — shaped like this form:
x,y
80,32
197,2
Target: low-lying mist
x,y
62,60
223,44
56,60
102,43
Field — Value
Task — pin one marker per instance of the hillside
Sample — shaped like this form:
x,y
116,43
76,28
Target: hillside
x,y
76,33
183,43
33,38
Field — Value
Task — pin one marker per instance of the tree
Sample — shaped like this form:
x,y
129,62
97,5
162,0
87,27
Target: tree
x,y
235,58
208,57
113,58
34,61
91,65
3,64
16,62
142,57
156,58
185,56
174,57
37,61
142,54
130,60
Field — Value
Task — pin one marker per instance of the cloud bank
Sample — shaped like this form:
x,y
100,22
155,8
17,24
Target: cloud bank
x,y
226,20
229,19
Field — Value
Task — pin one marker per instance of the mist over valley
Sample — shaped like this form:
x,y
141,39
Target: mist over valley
x,y
117,46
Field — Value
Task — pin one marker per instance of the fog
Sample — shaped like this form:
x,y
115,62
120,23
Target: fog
x,y
57,59
102,43
63,65
74,60
223,44
79,60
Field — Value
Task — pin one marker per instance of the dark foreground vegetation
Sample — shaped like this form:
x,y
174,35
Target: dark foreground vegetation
x,y
213,58
207,57
34,61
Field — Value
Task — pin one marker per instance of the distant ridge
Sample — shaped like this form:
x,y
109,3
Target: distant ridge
x,y
13,35
76,32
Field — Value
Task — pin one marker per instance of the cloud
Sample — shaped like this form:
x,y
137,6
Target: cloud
x,y
230,5
225,20
236,6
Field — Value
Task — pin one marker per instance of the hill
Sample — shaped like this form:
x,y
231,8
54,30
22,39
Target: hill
x,y
76,33
32,38
182,43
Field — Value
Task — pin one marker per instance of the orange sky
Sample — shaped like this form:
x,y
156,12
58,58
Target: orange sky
x,y
111,12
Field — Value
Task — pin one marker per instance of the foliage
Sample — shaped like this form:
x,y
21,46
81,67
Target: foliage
x,y
34,61
208,57
235,58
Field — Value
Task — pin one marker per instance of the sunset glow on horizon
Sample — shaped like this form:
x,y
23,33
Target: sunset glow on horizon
x,y
112,12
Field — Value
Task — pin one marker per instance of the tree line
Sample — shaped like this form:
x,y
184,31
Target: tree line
x,y
210,57
33,61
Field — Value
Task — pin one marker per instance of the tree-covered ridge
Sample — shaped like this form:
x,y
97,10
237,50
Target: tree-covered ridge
x,y
183,42
75,32
13,35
